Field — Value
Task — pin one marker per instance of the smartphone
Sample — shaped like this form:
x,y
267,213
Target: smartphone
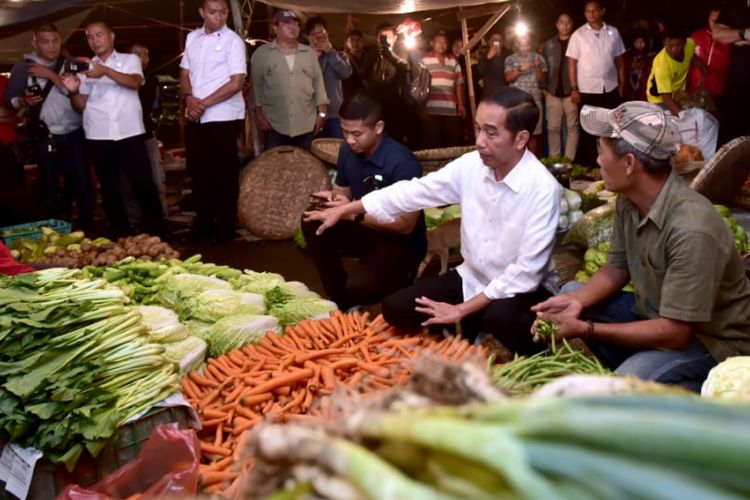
x,y
383,40
77,67
35,89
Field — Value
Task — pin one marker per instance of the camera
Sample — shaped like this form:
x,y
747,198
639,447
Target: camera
x,y
77,67
383,41
35,89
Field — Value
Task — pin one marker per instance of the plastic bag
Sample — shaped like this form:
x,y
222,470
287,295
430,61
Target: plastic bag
x,y
594,228
166,465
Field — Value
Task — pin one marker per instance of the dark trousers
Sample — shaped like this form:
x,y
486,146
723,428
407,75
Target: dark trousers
x,y
387,262
441,131
586,153
211,154
509,320
66,155
129,157
275,139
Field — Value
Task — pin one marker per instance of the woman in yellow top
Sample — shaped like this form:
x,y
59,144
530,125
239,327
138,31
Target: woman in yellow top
x,y
670,68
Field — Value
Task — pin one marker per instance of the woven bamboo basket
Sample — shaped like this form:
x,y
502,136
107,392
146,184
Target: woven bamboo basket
x,y
721,179
275,190
327,149
435,159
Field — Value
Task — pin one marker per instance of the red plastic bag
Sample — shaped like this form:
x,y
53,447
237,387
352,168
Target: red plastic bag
x,y
166,465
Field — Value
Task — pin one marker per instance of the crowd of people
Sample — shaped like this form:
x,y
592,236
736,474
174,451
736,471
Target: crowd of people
x,y
607,105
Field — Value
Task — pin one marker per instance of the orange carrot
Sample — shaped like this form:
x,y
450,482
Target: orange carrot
x,y
209,478
246,413
355,379
201,380
296,400
247,400
327,376
189,391
235,393
215,450
212,413
281,381
300,358
378,370
209,398
219,437
221,464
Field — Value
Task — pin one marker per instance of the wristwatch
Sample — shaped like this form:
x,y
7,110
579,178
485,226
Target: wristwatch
x,y
322,114
359,217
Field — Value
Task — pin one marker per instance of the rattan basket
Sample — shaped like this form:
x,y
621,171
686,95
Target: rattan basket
x,y
435,159
275,190
721,179
327,149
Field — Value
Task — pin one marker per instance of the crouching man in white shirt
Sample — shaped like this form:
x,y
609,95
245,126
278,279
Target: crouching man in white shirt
x,y
509,210
107,95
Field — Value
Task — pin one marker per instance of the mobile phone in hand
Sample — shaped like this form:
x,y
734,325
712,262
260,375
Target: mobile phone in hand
x,y
34,89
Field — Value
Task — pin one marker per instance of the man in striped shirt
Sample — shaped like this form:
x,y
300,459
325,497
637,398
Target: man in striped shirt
x,y
445,104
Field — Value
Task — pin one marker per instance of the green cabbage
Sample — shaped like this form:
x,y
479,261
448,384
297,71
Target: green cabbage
x,y
237,331
179,287
594,228
162,323
295,310
297,289
199,328
255,282
212,305
189,353
730,380
435,217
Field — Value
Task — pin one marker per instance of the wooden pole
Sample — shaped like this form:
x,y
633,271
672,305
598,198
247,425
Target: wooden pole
x,y
181,45
469,71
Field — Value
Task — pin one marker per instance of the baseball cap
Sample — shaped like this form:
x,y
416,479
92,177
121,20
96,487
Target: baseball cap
x,y
285,15
643,125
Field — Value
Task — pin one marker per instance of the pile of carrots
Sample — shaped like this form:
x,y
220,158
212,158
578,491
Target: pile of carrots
x,y
291,377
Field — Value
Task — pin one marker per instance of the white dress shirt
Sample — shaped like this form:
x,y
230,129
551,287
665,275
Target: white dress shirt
x,y
507,227
211,59
113,112
595,51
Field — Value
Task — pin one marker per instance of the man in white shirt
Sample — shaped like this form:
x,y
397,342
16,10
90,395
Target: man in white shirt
x,y
510,205
596,71
54,127
212,74
107,95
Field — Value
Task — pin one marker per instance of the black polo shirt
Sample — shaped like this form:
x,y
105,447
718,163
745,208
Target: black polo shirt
x,y
389,163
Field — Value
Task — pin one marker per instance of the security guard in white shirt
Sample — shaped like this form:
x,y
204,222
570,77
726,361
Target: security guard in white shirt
x,y
107,95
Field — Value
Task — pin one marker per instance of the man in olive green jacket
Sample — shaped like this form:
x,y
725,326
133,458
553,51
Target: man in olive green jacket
x,y
290,97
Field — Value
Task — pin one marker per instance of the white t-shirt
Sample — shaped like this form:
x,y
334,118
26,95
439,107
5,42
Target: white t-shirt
x,y
595,51
112,112
508,227
211,59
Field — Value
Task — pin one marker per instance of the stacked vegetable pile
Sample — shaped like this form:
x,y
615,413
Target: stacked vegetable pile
x,y
223,306
292,377
74,364
738,232
180,347
570,209
75,250
612,447
593,260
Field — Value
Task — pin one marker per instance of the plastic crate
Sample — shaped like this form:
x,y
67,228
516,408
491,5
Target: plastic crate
x,y
33,230
50,479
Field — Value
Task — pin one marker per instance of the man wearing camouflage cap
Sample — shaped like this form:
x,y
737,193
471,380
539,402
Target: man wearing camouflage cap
x,y
691,306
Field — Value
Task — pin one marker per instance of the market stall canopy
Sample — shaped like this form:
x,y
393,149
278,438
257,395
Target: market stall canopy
x,y
374,6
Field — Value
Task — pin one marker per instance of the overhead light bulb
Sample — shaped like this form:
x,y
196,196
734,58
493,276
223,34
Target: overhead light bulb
x,y
522,29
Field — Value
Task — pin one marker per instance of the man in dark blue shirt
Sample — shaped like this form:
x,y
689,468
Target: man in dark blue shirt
x,y
388,253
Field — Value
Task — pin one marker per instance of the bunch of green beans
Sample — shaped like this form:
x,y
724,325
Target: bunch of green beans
x,y
521,375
